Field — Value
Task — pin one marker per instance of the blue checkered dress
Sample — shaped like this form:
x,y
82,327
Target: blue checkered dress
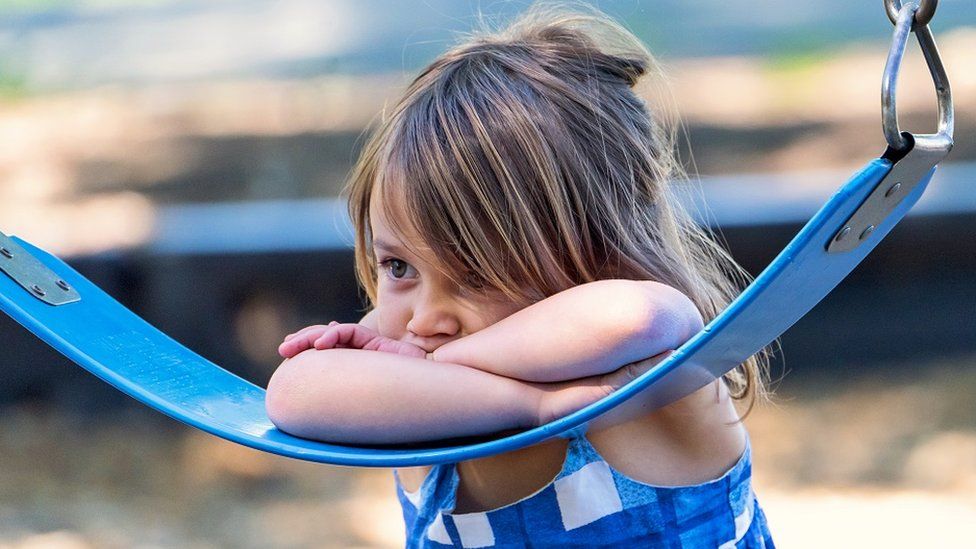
x,y
590,504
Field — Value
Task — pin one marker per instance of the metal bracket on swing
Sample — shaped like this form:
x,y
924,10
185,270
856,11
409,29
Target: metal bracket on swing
x,y
916,154
33,276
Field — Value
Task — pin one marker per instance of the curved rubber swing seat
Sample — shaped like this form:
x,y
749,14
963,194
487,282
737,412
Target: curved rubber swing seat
x,y
74,316
109,340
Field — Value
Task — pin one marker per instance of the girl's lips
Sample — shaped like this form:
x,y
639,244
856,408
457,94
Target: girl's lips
x,y
429,346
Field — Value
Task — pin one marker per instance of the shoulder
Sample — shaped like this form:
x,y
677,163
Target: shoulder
x,y
691,441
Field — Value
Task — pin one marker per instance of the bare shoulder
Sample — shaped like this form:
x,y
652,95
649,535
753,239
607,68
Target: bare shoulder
x,y
691,441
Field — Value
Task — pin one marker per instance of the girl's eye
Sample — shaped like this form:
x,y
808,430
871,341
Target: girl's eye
x,y
396,268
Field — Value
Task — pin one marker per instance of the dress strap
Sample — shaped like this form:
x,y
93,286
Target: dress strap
x,y
579,453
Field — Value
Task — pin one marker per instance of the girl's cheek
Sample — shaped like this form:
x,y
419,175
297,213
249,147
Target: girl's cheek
x,y
390,324
394,310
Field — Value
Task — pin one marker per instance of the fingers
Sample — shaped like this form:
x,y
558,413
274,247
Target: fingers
x,y
328,340
306,329
297,344
388,345
348,335
301,340
320,337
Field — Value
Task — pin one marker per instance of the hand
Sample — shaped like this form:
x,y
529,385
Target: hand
x,y
563,398
337,336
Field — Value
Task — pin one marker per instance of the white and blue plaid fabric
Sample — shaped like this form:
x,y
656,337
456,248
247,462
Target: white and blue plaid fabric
x,y
589,504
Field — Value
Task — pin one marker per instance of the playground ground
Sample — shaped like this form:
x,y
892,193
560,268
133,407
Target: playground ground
x,y
876,459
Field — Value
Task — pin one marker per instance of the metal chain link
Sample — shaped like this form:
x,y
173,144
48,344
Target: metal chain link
x,y
926,10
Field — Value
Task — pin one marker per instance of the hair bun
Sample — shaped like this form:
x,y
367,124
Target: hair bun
x,y
590,41
627,69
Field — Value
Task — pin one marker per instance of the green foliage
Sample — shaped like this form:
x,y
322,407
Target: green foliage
x,y
797,61
798,52
13,84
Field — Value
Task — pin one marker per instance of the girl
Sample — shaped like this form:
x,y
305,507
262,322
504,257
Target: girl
x,y
524,256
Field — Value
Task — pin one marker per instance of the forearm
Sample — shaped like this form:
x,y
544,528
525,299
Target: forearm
x,y
370,397
587,330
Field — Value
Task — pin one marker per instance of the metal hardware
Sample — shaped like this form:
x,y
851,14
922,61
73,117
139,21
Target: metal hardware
x,y
26,270
926,9
908,172
926,42
913,156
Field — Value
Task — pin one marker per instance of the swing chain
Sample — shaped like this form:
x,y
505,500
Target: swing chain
x,y
907,17
926,10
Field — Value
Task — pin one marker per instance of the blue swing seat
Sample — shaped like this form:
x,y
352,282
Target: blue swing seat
x,y
88,326
112,342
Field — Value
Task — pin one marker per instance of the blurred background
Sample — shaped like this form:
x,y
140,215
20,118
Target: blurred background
x,y
187,157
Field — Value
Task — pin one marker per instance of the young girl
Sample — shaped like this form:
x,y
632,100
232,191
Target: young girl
x,y
524,257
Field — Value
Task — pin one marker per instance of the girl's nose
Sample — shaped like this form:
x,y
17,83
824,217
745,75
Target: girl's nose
x,y
432,321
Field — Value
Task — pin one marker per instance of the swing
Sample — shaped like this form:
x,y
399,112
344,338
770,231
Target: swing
x,y
74,316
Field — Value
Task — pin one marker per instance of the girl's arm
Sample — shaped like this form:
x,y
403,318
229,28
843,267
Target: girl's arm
x,y
586,330
373,397
359,396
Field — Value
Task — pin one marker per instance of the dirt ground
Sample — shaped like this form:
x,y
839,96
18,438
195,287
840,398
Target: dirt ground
x,y
885,457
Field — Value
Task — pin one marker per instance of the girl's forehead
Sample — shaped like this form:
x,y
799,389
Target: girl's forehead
x,y
389,222
399,236
384,204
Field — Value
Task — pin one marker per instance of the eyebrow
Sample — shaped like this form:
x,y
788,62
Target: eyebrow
x,y
379,243
404,253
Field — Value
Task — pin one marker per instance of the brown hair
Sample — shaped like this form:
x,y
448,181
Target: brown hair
x,y
529,165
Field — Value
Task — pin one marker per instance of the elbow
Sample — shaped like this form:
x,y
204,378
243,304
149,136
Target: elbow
x,y
687,319
295,398
280,398
307,397
668,316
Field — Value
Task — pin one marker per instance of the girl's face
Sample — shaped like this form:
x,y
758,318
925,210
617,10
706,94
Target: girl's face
x,y
415,302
